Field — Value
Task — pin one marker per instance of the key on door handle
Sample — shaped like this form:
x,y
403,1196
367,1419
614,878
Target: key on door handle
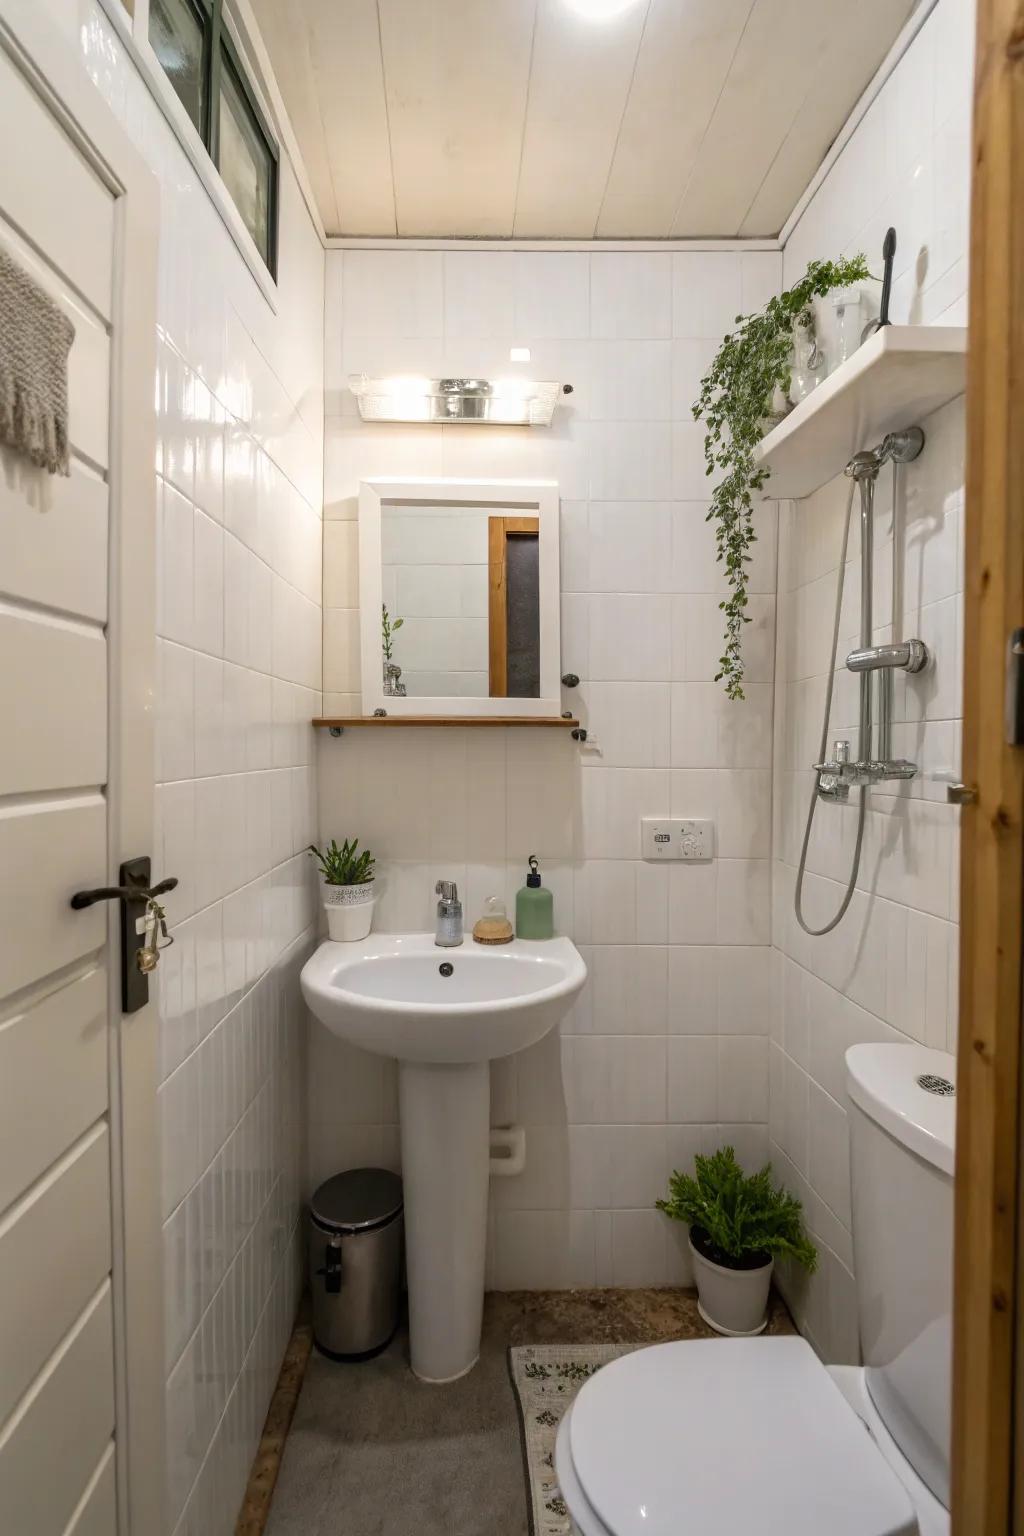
x,y
148,957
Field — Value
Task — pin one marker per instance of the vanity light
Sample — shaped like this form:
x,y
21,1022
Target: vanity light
x,y
502,402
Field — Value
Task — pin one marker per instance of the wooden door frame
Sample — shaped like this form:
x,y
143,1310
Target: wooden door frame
x,y
499,529
58,77
987,1274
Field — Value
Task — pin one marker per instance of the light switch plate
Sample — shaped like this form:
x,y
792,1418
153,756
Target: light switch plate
x,y
657,839
663,837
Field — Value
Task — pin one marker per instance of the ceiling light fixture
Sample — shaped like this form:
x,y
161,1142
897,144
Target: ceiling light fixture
x,y
599,10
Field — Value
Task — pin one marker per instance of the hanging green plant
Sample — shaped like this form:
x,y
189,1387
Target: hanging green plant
x,y
735,399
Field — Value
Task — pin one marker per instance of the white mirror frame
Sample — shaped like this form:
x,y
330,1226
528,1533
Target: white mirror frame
x,y
537,497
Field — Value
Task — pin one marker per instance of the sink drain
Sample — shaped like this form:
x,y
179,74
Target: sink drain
x,y
446,968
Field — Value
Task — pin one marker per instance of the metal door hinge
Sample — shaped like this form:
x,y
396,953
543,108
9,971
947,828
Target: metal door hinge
x,y
1015,689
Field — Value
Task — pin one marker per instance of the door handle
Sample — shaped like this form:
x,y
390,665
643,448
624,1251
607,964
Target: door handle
x,y
122,893
134,895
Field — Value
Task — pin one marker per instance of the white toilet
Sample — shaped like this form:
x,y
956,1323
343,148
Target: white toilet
x,y
724,1437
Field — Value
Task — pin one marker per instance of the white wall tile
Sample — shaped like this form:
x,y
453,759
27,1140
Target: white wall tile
x,y
552,296
707,293
630,296
693,1080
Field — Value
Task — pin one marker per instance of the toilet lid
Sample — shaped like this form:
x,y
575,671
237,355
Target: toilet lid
x,y
730,1435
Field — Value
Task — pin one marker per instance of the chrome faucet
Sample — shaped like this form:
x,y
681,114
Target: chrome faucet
x,y
448,928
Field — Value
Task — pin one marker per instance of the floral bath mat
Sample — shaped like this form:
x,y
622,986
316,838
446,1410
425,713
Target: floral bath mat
x,y
546,1378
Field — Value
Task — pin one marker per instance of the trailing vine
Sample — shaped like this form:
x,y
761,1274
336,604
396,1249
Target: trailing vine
x,y
735,398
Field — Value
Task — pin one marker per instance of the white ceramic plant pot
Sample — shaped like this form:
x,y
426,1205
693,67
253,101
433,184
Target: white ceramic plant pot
x,y
732,1301
349,910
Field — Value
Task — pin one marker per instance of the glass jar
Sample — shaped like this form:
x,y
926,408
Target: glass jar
x,y
808,358
849,317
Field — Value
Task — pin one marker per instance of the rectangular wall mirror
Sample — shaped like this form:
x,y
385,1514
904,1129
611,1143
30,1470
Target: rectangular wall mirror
x,y
459,597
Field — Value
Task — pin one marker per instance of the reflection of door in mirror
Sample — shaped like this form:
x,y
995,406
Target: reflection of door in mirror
x,y
513,615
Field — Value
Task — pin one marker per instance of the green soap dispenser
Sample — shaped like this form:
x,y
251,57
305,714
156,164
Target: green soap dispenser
x,y
535,913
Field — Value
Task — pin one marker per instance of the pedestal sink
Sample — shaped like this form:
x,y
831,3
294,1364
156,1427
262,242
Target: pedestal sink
x,y
444,1014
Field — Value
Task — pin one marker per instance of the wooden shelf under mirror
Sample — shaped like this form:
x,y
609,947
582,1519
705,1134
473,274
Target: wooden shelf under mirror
x,y
342,722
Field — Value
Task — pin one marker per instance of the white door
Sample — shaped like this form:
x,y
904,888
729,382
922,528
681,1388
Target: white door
x,y
80,1428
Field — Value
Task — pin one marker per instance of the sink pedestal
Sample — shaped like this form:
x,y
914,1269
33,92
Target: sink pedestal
x,y
445,1123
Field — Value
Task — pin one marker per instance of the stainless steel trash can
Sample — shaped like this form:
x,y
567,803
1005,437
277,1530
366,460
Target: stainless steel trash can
x,y
355,1261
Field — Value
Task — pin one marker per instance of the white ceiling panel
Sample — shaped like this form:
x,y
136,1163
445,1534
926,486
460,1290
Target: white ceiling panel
x,y
579,84
682,65
852,56
777,61
287,43
494,118
456,78
344,42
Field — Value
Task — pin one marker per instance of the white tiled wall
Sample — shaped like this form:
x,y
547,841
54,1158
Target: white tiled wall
x,y
239,397
667,1051
889,971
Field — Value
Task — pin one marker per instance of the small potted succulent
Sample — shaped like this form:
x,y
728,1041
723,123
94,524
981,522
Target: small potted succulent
x,y
739,1224
347,888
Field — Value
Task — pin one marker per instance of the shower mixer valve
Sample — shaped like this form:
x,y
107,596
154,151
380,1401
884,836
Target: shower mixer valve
x,y
838,775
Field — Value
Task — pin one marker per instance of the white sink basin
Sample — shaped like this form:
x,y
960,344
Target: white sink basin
x,y
444,1013
401,995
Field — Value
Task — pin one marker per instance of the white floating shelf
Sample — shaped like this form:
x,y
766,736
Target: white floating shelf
x,y
895,379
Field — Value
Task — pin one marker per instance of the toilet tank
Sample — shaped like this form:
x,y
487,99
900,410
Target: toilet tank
x,y
902,1121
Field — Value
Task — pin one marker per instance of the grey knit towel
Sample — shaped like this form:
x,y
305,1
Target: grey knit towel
x,y
35,339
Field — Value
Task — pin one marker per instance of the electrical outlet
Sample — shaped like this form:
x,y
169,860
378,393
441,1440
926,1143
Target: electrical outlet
x,y
696,841
663,838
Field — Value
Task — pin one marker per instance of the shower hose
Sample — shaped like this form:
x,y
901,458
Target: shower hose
x,y
817,933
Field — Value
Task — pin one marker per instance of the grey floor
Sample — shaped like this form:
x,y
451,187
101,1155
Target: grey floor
x,y
373,1452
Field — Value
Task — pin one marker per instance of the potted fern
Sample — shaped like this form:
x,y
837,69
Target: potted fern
x,y
347,888
739,1225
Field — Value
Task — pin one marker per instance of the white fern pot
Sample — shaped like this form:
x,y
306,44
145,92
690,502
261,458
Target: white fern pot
x,y
349,910
731,1301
